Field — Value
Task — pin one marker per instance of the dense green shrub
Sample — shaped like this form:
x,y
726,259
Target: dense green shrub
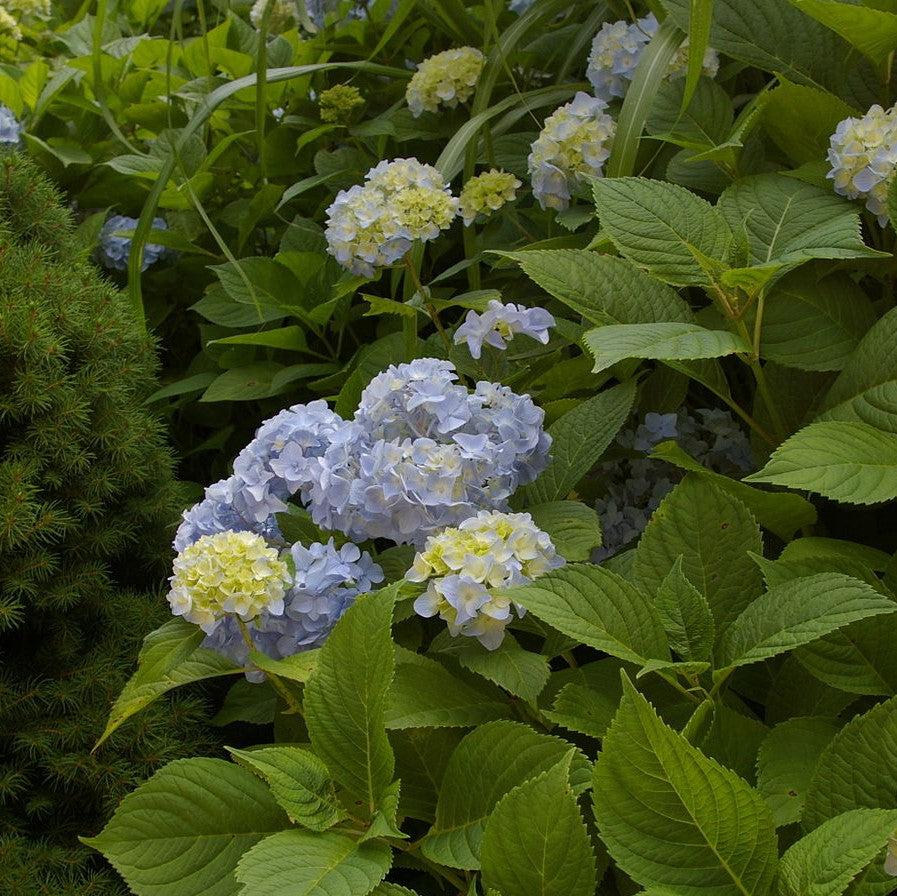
x,y
87,498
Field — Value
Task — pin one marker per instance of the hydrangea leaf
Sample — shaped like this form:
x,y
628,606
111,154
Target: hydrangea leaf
x,y
686,616
536,841
299,781
490,761
828,859
580,437
424,694
575,529
732,739
346,698
598,608
872,31
673,819
780,512
583,709
866,390
662,227
170,656
713,532
704,124
855,771
300,863
785,763
422,755
849,462
798,612
663,342
815,324
179,834
789,222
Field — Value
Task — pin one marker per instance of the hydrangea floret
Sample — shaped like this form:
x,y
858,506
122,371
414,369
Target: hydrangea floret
x,y
10,129
487,193
634,485
863,158
338,104
228,573
500,323
446,79
617,50
9,27
373,225
572,147
115,250
465,567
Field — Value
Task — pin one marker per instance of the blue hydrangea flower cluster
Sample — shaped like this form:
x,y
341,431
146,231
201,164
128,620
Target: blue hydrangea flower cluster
x,y
114,250
500,323
325,582
421,454
617,49
10,129
634,485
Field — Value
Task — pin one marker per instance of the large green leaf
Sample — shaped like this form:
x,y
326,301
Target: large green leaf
x,y
815,324
170,656
183,831
789,222
826,861
604,289
866,390
490,761
782,513
662,227
424,694
536,841
422,754
346,698
786,761
797,612
704,124
672,818
300,863
856,770
872,31
713,532
849,462
686,616
580,437
663,342
598,608
299,781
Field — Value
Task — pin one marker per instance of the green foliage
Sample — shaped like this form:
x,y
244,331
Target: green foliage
x,y
87,499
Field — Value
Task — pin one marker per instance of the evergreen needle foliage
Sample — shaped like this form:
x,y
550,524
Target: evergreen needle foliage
x,y
87,498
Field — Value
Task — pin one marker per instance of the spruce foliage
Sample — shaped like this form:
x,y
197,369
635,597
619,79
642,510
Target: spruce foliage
x,y
87,500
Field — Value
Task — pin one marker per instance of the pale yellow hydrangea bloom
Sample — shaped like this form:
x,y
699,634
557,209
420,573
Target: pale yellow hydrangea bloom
x,y
229,573
282,15
486,193
26,8
466,566
338,104
446,79
9,27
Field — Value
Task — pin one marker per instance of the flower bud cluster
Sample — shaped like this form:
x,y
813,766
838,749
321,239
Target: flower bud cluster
x,y
466,566
446,79
487,193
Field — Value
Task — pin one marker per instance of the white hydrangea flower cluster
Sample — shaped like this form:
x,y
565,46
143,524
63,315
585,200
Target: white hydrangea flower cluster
x,y
634,485
283,14
374,224
445,79
617,49
465,566
863,158
573,146
9,27
38,9
487,193
500,323
228,573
